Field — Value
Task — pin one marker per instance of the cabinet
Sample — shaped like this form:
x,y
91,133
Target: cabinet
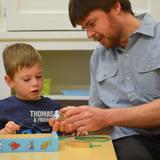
x,y
38,15
29,15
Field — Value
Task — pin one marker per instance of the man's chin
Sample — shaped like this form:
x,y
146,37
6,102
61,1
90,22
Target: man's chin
x,y
106,45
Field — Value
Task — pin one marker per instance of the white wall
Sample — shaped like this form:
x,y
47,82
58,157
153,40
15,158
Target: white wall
x,y
150,6
155,9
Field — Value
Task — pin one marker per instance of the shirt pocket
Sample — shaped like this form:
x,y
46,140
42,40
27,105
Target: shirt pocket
x,y
149,75
106,82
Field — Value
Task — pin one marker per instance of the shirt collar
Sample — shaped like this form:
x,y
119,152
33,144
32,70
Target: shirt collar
x,y
147,26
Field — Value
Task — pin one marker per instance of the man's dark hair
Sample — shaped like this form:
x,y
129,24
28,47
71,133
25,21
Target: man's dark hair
x,y
79,9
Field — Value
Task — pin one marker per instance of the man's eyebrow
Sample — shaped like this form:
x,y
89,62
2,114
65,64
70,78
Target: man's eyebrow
x,y
85,26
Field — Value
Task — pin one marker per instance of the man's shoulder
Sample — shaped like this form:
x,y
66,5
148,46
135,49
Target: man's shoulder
x,y
152,26
100,52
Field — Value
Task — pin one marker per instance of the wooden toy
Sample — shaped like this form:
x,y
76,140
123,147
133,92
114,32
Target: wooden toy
x,y
29,142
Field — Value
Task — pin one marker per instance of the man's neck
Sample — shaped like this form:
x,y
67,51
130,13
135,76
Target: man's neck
x,y
131,24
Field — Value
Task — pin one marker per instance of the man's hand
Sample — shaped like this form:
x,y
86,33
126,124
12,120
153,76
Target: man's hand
x,y
84,118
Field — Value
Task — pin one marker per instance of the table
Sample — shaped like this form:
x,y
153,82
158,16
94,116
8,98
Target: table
x,y
94,147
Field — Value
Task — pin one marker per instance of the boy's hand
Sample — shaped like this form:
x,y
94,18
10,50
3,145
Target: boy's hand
x,y
59,126
10,128
54,124
56,120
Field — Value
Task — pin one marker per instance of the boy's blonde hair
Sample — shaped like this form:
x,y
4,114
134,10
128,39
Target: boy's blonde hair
x,y
19,55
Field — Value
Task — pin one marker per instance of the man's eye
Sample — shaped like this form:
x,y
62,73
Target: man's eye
x,y
92,23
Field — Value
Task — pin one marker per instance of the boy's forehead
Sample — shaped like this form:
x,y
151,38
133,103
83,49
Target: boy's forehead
x,y
36,67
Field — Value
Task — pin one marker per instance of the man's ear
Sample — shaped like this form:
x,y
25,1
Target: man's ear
x,y
117,8
9,81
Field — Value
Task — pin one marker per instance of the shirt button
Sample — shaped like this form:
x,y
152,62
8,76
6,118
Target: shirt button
x,y
127,55
128,78
129,95
149,66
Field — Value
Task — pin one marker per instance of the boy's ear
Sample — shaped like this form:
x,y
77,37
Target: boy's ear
x,y
9,81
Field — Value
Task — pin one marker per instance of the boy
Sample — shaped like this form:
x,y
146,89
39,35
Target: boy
x,y
26,111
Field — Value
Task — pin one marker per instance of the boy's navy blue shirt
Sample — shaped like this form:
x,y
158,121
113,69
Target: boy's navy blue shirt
x,y
32,116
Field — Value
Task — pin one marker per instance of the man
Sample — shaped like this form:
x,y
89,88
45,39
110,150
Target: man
x,y
125,75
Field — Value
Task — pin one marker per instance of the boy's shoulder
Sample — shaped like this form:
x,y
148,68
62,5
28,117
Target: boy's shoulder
x,y
8,103
47,99
50,101
8,99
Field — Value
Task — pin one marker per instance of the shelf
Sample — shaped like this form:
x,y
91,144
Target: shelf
x,y
62,97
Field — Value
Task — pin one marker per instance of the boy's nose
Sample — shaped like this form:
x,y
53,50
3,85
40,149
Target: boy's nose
x,y
34,82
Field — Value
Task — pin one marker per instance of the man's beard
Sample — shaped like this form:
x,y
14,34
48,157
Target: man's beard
x,y
112,41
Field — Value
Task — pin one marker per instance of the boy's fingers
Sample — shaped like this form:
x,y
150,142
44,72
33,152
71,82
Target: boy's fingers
x,y
51,122
56,126
12,125
62,127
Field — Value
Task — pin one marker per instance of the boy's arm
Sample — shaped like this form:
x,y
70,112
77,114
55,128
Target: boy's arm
x,y
10,128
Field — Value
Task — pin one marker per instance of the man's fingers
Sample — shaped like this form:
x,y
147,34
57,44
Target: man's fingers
x,y
65,109
68,128
77,133
69,112
82,129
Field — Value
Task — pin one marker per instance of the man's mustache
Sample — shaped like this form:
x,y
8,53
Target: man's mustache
x,y
97,38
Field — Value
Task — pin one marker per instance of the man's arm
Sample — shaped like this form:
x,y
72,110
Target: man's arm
x,y
142,116
86,118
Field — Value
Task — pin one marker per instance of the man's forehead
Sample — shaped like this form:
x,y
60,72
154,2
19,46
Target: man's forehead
x,y
88,18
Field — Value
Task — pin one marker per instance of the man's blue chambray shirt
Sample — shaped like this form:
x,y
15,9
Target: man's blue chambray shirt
x,y
128,77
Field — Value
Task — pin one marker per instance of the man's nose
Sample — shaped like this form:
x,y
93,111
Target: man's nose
x,y
90,34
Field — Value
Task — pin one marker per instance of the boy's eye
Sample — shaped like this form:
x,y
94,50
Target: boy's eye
x,y
39,77
26,80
